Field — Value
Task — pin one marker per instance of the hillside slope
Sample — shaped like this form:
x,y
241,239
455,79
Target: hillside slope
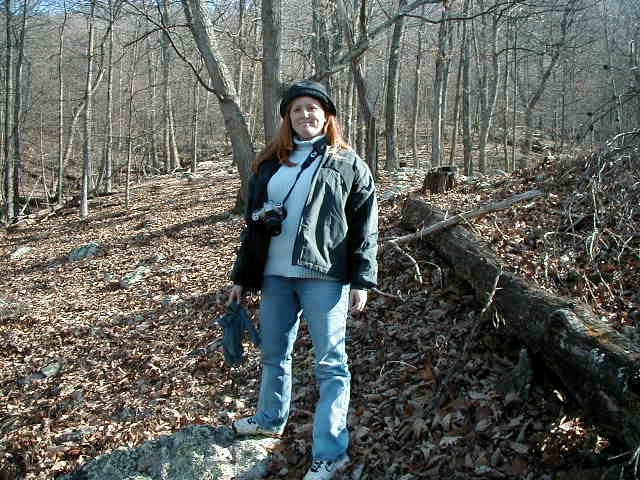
x,y
120,347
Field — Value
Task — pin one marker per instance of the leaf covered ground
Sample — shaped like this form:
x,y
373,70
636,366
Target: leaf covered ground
x,y
95,358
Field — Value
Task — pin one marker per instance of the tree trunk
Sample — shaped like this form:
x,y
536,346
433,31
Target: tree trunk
x,y
568,18
320,41
271,66
173,141
416,100
466,98
8,118
86,146
131,88
489,80
235,125
597,365
240,43
505,101
107,157
169,162
17,106
153,104
194,126
456,109
60,186
366,109
391,131
439,91
348,109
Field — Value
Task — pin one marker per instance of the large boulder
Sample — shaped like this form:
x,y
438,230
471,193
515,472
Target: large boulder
x,y
196,452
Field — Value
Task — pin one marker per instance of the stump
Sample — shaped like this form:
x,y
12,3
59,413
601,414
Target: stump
x,y
440,179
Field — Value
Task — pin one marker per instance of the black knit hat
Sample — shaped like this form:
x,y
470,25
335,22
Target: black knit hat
x,y
307,88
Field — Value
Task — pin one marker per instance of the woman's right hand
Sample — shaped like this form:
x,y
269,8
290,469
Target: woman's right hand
x,y
235,295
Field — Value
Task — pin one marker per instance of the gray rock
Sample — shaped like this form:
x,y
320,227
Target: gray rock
x,y
170,300
194,453
138,275
86,251
74,435
10,310
20,252
52,369
49,371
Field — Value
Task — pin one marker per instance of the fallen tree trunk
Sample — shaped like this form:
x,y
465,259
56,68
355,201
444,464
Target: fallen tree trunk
x,y
599,367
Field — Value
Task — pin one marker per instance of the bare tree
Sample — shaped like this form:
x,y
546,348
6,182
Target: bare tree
x,y
17,103
202,30
391,132
86,146
130,101
416,95
271,17
466,96
9,146
60,191
107,155
553,49
366,108
488,78
440,87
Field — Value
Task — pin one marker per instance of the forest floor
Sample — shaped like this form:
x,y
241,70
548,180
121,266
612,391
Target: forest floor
x,y
95,357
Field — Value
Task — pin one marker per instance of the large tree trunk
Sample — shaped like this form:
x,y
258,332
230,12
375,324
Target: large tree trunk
x,y
440,90
416,99
86,146
456,109
60,186
270,66
107,156
598,366
466,98
320,41
489,80
391,131
17,106
131,89
173,141
366,108
170,163
236,127
194,126
568,17
8,118
153,103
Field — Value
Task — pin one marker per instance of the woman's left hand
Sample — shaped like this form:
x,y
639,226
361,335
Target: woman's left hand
x,y
357,301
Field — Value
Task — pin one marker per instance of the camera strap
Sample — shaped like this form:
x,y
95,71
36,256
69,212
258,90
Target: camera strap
x,y
318,150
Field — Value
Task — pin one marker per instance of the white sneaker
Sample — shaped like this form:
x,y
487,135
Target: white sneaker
x,y
325,470
249,426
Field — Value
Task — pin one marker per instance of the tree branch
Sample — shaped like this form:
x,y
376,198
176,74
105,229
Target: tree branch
x,y
478,212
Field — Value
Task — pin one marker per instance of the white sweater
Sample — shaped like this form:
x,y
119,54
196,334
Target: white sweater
x,y
280,260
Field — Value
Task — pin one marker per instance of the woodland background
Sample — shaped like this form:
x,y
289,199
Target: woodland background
x,y
124,173
97,93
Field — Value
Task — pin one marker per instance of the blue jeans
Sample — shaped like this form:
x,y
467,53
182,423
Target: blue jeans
x,y
324,304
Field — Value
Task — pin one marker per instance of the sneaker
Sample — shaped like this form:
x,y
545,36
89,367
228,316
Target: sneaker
x,y
325,470
249,426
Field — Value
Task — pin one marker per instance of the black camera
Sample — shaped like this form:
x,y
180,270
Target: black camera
x,y
271,215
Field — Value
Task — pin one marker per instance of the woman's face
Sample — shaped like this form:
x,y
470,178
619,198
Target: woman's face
x,y
307,117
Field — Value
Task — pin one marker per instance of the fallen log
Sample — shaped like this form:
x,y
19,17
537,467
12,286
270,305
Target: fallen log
x,y
599,367
456,219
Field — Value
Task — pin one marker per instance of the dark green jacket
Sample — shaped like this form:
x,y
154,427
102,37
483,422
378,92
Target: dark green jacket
x,y
338,232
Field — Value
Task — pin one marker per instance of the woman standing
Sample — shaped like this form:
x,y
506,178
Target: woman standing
x,y
310,245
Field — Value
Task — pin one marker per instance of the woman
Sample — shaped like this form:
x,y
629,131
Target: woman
x,y
310,245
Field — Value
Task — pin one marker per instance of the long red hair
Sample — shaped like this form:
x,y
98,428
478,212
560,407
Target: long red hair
x,y
282,144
